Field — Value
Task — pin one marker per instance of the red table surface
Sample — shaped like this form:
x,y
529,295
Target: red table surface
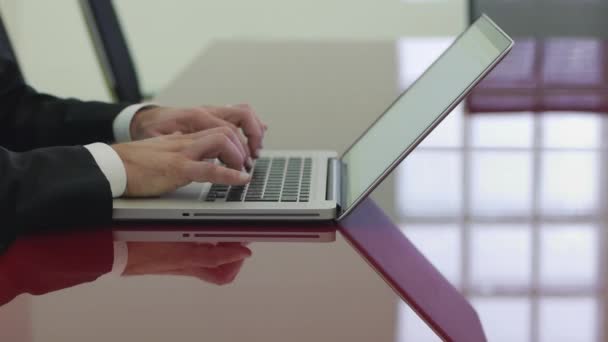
x,y
74,257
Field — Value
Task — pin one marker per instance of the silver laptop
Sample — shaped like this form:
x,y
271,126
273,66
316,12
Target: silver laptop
x,y
322,185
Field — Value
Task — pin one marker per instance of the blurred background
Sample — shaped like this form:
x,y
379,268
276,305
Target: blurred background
x,y
506,197
165,36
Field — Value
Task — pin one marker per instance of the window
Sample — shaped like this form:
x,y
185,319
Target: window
x,y
506,206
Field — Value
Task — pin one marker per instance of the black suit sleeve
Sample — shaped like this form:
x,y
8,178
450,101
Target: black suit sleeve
x,y
47,188
29,119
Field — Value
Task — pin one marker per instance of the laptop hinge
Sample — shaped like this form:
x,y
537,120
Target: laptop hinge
x,y
335,186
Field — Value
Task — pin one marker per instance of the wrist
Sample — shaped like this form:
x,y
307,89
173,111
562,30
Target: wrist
x,y
137,127
111,165
121,151
123,122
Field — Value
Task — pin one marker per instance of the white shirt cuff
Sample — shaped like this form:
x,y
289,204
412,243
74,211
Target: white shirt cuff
x,y
122,123
121,258
111,166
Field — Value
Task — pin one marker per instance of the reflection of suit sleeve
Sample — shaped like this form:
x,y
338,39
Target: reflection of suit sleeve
x,y
46,263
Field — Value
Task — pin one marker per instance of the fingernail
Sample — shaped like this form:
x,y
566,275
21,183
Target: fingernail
x,y
244,176
249,162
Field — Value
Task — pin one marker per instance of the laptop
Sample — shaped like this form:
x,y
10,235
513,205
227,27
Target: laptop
x,y
323,185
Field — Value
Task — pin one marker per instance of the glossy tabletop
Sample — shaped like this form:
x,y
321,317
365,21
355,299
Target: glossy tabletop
x,y
47,264
508,207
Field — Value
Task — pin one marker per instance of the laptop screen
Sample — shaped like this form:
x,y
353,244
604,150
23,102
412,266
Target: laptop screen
x,y
421,107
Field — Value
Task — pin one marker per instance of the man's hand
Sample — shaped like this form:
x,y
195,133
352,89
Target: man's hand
x,y
217,264
156,121
159,165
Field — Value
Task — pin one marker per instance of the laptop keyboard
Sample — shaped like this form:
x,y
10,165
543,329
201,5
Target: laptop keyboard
x,y
275,179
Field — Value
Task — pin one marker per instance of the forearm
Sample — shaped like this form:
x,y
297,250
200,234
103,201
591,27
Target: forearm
x,y
41,120
29,119
51,188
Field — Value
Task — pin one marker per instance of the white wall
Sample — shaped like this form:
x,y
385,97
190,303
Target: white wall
x,y
57,56
53,47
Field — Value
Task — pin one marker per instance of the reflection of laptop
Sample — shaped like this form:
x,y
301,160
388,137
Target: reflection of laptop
x,y
320,185
213,232
372,234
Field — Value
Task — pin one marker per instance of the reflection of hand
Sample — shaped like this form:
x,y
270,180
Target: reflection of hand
x,y
155,121
217,264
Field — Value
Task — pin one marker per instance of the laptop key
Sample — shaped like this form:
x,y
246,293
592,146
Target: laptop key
x,y
273,180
